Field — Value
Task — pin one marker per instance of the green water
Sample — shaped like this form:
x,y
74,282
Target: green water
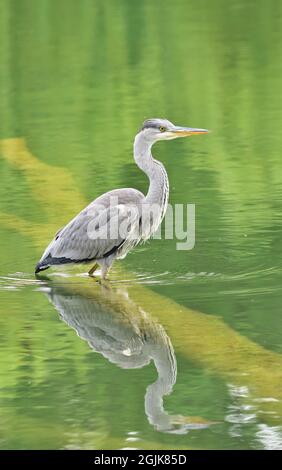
x,y
76,81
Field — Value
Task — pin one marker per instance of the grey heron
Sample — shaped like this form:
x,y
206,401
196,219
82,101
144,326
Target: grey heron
x,y
111,225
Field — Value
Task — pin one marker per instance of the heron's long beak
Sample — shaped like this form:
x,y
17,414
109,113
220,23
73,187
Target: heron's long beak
x,y
186,131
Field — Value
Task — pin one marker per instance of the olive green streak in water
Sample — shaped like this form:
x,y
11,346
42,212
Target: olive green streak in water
x,y
77,100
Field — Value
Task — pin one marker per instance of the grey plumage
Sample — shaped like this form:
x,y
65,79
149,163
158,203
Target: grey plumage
x,y
111,225
155,123
72,244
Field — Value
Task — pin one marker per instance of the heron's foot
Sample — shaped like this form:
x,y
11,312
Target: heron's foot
x,y
105,285
93,269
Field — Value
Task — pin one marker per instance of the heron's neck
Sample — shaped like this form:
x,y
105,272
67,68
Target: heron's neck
x,y
165,362
159,186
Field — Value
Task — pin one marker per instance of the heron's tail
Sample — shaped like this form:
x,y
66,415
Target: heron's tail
x,y
42,265
39,267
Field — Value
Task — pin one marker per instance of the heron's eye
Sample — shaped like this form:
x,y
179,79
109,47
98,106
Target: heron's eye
x,y
162,129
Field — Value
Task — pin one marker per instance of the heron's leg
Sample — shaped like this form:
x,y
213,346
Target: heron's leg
x,y
105,265
93,269
104,272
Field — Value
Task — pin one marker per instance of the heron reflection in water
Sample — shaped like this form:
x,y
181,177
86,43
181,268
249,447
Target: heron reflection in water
x,y
114,326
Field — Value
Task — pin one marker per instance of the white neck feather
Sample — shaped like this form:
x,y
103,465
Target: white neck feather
x,y
159,186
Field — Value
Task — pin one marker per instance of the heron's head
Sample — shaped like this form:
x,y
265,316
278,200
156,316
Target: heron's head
x,y
162,129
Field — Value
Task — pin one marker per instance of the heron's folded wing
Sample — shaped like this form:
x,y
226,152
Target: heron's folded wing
x,y
94,233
